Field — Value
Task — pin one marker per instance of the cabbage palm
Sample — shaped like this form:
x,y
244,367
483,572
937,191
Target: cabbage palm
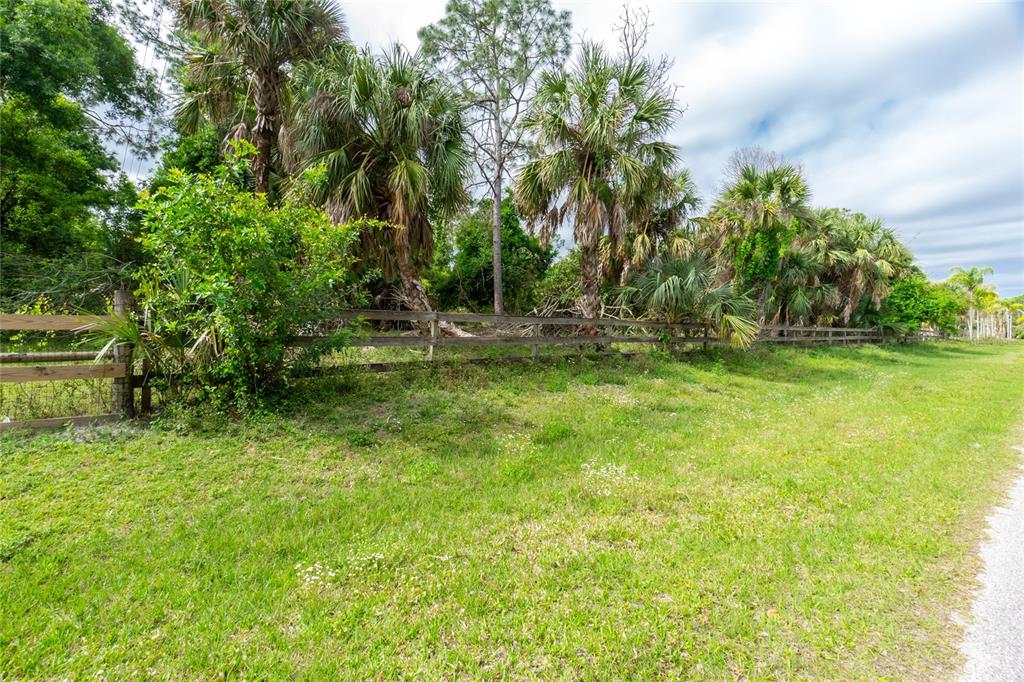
x,y
238,75
389,136
772,201
691,289
598,130
800,294
862,257
658,222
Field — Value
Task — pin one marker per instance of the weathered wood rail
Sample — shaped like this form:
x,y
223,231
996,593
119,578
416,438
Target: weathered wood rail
x,y
512,330
421,330
44,372
119,371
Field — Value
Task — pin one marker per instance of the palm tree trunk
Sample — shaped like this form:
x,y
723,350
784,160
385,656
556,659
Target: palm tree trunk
x,y
627,272
590,282
265,127
412,288
413,293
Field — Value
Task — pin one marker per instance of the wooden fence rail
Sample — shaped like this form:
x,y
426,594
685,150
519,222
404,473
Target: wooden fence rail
x,y
119,370
46,356
423,331
52,323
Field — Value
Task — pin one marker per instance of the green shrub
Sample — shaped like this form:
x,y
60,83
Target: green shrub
x,y
231,280
560,288
914,301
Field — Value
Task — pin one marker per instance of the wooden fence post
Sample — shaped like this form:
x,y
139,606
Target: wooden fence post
x,y
122,398
535,348
146,391
433,336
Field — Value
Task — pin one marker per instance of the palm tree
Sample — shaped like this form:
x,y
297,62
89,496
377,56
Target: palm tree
x,y
970,282
238,75
800,294
862,258
675,289
659,221
390,137
598,130
753,221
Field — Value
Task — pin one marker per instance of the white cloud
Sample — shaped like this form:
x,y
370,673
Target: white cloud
x,y
382,22
910,112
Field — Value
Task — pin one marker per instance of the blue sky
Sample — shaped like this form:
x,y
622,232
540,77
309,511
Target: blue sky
x,y
910,112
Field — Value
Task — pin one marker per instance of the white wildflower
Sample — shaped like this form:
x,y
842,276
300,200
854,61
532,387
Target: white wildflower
x,y
315,576
605,479
516,444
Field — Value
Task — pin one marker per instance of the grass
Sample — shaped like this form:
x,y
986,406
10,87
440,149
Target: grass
x,y
780,514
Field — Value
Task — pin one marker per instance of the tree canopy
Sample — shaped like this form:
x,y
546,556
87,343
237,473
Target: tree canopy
x,y
494,49
70,85
386,143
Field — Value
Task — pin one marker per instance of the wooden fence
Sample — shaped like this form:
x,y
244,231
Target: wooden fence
x,y
118,369
430,330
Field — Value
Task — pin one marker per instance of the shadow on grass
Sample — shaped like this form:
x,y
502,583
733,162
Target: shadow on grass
x,y
791,365
439,404
364,402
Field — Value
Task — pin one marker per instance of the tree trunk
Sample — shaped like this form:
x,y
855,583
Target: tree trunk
x,y
412,288
590,282
499,169
264,129
413,293
627,272
499,297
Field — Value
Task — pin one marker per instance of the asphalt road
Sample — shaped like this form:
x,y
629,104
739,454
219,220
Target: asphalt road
x,y
994,645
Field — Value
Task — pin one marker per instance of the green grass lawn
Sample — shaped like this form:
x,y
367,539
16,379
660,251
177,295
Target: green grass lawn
x,y
784,513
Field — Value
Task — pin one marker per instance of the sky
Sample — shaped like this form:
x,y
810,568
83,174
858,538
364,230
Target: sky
x,y
912,113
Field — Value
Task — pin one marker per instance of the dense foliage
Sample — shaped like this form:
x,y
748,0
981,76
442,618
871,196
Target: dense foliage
x,y
238,67
494,50
599,128
757,218
237,256
231,280
914,301
69,86
389,135
678,290
469,282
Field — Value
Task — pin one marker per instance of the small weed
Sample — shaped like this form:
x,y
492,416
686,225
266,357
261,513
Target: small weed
x,y
552,433
361,439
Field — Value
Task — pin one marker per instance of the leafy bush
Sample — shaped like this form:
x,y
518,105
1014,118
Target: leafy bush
x,y
560,288
914,301
231,280
67,224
